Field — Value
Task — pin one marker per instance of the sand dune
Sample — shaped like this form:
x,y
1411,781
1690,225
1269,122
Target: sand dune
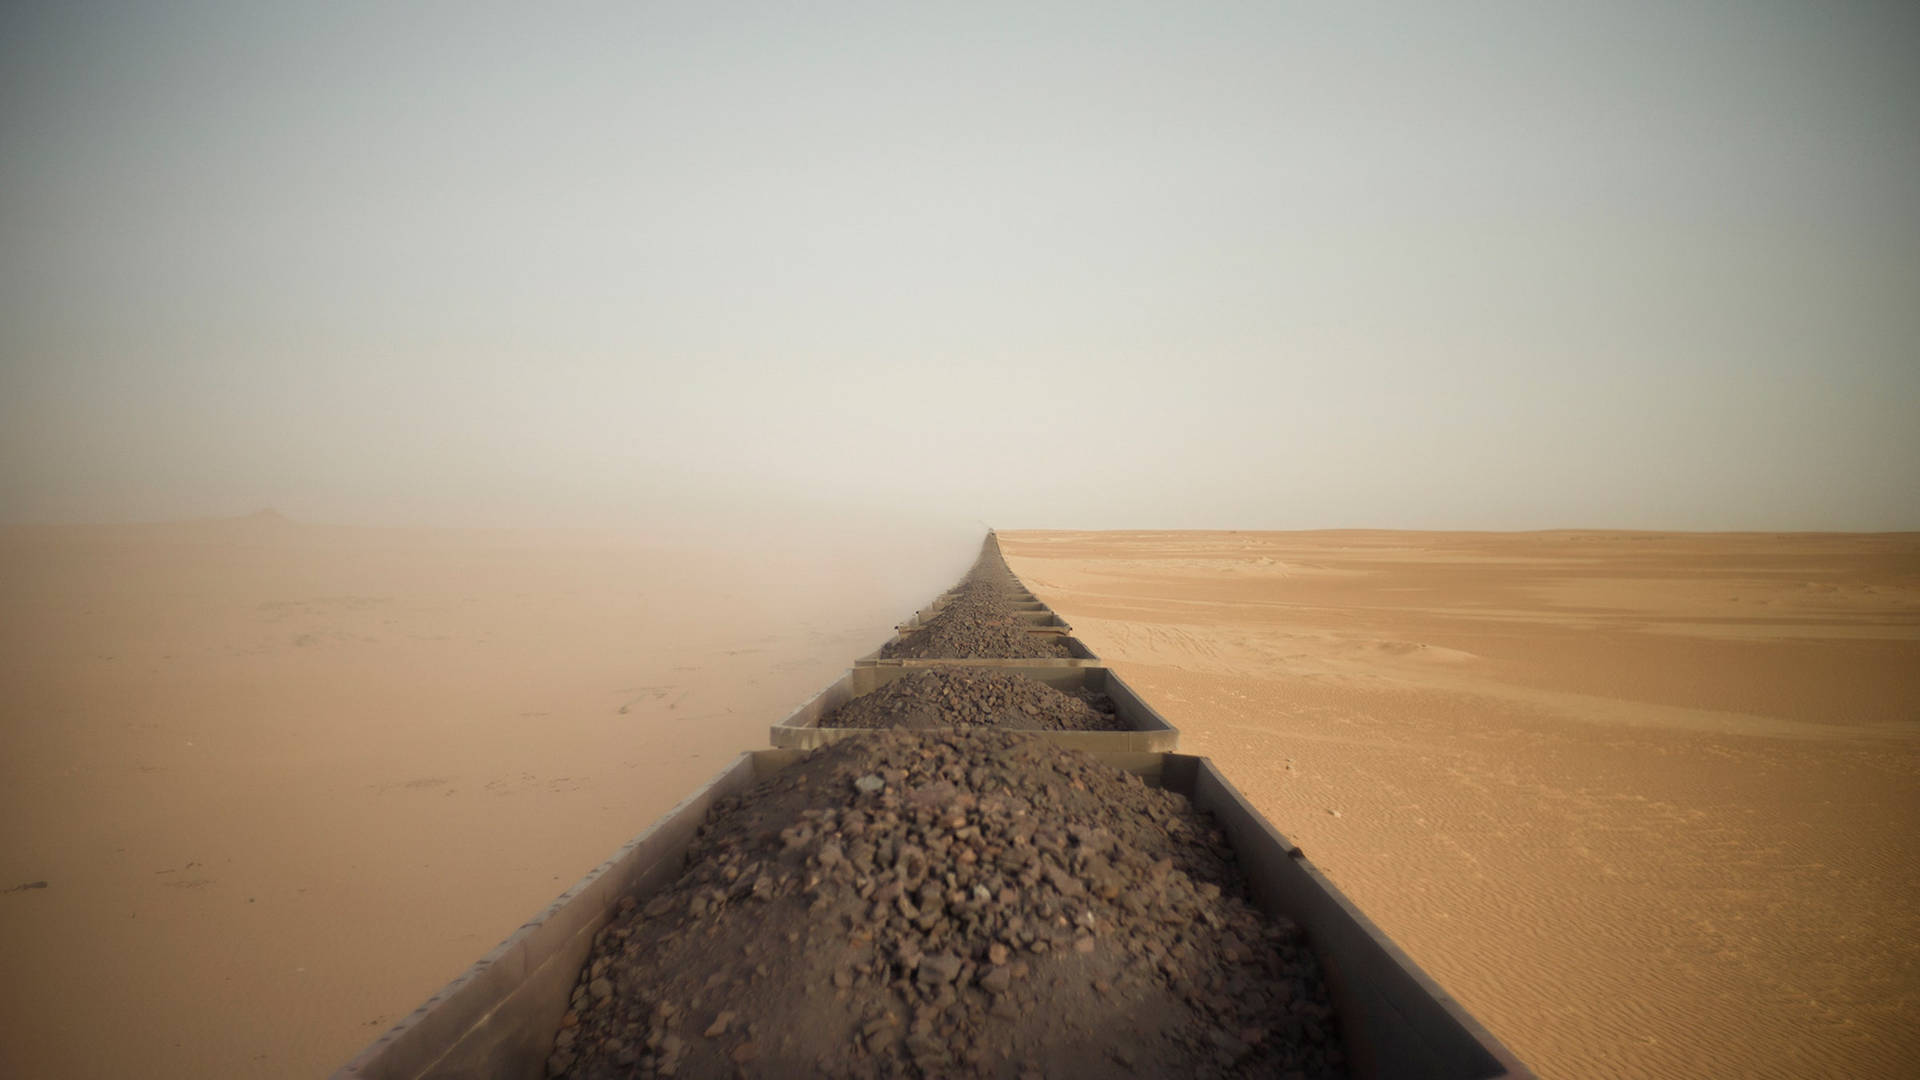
x,y
1645,802
282,781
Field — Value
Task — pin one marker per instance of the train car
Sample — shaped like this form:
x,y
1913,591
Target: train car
x,y
1035,617
1078,655
1146,729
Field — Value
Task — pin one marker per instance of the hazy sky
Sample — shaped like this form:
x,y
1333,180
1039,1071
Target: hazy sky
x,y
1082,265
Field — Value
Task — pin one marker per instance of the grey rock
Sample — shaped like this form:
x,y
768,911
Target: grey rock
x,y
939,968
997,980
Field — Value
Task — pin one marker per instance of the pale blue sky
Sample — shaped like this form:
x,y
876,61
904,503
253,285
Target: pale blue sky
x,y
1090,265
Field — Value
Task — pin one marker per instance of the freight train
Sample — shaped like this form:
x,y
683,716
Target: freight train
x,y
499,1018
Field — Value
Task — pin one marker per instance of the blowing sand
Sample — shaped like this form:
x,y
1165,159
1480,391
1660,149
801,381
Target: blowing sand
x,y
1646,803
283,781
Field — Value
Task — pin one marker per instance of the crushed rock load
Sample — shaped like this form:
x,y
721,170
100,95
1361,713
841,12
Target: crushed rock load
x,y
976,624
976,697
960,903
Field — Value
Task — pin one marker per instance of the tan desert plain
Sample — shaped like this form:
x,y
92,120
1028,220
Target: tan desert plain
x,y
1646,803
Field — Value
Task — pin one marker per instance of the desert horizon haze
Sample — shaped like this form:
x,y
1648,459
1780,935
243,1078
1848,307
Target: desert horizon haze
x,y
1066,266
433,436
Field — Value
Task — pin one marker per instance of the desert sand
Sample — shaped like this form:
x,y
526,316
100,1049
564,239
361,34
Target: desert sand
x,y
1645,803
282,781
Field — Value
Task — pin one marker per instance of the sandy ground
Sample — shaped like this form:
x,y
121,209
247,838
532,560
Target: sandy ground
x,y
283,781
1647,804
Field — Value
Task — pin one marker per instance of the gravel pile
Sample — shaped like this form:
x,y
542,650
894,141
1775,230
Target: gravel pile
x,y
960,903
976,624
976,697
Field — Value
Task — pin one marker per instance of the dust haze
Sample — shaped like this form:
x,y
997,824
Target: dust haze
x,y
1254,266
434,437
